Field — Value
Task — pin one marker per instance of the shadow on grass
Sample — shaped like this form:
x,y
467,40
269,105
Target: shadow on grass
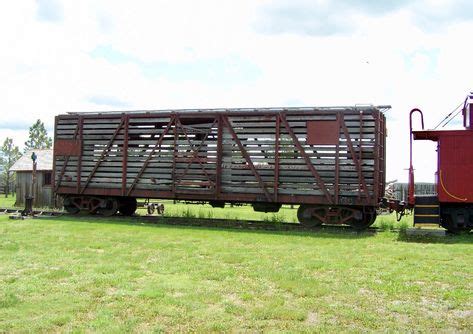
x,y
339,232
449,238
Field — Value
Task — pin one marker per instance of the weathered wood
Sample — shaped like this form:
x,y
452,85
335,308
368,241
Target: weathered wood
x,y
247,158
104,152
43,194
158,144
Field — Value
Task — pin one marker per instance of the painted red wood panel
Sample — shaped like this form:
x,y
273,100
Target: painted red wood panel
x,y
455,167
67,147
323,132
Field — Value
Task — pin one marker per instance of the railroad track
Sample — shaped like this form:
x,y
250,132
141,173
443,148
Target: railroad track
x,y
199,222
236,224
37,213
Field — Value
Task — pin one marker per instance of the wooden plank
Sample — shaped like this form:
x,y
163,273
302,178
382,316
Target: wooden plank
x,y
299,117
332,117
97,121
150,119
98,131
66,127
235,167
298,127
106,126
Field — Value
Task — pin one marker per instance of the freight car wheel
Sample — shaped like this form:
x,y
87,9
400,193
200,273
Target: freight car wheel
x,y
108,208
70,207
311,215
363,220
127,206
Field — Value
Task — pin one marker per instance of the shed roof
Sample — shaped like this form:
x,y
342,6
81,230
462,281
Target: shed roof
x,y
44,161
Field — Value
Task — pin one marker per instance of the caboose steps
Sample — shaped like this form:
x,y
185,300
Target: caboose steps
x,y
426,210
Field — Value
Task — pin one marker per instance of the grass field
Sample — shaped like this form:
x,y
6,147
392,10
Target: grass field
x,y
87,274
7,202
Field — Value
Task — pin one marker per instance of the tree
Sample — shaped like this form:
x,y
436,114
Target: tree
x,y
38,137
9,154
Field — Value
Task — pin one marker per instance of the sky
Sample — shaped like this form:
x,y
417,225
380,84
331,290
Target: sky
x,y
59,56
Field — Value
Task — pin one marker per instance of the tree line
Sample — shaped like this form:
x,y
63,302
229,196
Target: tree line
x,y
9,153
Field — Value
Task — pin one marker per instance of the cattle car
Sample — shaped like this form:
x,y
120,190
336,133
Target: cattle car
x,y
328,160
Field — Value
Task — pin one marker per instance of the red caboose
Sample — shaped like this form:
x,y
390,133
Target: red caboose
x,y
452,206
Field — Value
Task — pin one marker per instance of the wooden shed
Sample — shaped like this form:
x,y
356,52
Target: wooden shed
x,y
43,192
400,190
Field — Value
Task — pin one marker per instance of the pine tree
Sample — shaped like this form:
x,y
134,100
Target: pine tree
x,y
38,137
9,155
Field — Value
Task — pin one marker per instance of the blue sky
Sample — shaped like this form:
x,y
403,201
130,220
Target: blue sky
x,y
227,71
60,56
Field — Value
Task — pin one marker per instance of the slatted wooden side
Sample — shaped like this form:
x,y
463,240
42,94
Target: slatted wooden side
x,y
96,134
187,158
258,135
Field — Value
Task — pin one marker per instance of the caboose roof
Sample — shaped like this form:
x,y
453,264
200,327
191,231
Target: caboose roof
x,y
435,135
44,161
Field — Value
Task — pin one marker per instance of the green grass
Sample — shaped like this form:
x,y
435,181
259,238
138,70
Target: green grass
x,y
87,275
244,212
7,202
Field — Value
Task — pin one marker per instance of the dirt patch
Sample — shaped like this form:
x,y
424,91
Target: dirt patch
x,y
365,292
462,314
312,318
234,299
